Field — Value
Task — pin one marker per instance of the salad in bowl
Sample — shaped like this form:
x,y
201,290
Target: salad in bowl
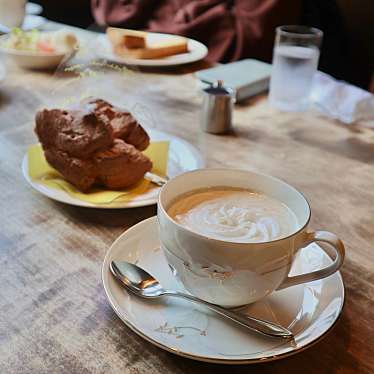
x,y
38,49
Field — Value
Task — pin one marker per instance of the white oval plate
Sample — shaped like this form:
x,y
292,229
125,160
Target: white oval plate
x,y
182,157
197,51
180,327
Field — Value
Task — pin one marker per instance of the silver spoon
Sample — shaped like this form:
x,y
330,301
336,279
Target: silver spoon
x,y
156,179
140,283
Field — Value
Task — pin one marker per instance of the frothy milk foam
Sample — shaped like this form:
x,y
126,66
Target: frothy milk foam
x,y
235,215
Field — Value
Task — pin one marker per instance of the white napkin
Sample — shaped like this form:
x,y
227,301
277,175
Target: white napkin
x,y
341,100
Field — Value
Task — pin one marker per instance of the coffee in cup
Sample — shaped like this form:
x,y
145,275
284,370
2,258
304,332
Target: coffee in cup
x,y
233,214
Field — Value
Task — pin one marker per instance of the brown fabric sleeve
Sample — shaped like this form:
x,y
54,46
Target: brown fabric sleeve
x,y
130,13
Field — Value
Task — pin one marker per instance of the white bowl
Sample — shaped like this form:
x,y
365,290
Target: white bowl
x,y
35,60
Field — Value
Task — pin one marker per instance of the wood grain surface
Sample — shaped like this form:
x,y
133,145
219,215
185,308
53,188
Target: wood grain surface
x,y
54,316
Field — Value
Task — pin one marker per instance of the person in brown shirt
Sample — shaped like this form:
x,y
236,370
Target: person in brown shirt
x,y
231,29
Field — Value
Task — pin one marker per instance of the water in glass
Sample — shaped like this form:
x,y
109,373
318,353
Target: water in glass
x,y
292,76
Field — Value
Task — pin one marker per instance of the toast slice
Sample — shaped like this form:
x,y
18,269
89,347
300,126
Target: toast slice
x,y
123,42
158,50
129,38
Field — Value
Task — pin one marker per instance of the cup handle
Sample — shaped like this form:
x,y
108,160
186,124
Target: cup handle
x,y
335,243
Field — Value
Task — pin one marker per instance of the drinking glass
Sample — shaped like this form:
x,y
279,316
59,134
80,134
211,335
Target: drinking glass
x,y
12,12
295,60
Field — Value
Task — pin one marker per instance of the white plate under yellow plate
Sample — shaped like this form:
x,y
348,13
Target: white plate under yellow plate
x,y
196,52
182,157
180,327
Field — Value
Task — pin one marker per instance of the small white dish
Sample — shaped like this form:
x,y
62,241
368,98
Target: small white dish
x,y
309,310
35,59
196,51
182,157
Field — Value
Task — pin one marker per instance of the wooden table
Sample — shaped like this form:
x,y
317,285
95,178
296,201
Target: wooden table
x,y
54,316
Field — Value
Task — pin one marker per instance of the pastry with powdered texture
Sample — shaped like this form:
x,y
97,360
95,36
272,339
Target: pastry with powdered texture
x,y
94,143
122,123
121,166
77,132
79,172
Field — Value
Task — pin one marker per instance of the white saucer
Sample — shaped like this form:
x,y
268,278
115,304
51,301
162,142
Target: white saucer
x,y
182,157
180,327
196,51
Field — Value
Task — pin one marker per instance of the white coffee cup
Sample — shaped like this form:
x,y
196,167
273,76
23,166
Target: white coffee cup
x,y
229,273
12,12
